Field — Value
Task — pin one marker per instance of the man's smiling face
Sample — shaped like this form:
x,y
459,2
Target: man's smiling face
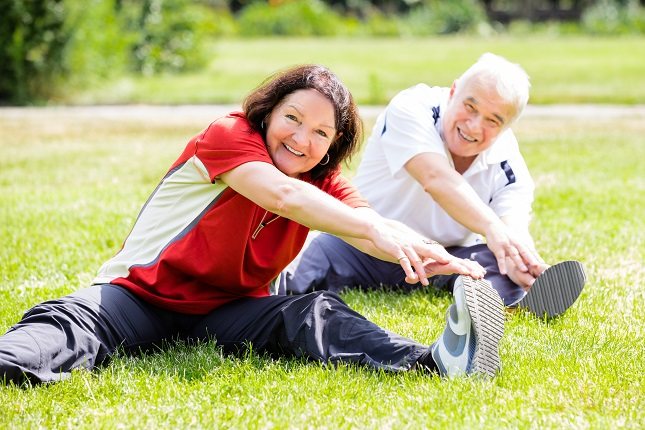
x,y
474,117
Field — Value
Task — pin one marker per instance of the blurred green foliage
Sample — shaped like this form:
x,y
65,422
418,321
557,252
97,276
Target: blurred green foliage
x,y
614,17
50,46
98,48
167,35
294,18
33,38
440,17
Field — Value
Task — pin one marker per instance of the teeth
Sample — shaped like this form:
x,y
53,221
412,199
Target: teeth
x,y
468,138
293,151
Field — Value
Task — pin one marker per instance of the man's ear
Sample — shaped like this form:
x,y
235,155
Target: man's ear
x,y
453,87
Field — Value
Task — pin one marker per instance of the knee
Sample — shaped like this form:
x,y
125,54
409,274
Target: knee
x,y
328,306
326,296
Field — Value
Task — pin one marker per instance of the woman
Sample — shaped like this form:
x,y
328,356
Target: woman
x,y
229,215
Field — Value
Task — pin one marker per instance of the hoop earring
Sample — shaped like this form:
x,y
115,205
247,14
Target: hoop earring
x,y
262,125
326,161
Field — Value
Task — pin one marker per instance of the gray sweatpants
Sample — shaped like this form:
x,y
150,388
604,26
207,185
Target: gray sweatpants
x,y
83,329
329,263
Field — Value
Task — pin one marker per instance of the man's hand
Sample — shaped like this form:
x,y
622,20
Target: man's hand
x,y
523,279
505,245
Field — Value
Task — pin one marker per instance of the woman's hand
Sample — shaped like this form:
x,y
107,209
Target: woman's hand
x,y
437,261
418,256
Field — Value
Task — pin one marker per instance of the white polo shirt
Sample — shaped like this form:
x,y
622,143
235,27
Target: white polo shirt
x,y
410,125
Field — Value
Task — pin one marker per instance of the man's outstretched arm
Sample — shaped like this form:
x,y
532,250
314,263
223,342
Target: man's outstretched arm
x,y
449,189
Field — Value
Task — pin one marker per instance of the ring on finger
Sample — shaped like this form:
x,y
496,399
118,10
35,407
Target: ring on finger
x,y
430,242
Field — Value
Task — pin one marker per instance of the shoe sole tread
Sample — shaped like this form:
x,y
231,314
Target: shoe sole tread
x,y
556,290
487,315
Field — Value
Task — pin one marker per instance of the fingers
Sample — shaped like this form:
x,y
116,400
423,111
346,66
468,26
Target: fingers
x,y
518,255
436,251
524,280
517,259
420,271
501,261
413,264
537,270
528,256
474,269
458,266
414,270
438,261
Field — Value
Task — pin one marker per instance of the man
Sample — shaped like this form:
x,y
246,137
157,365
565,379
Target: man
x,y
445,162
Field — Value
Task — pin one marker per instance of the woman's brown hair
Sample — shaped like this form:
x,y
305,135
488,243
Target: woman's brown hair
x,y
260,103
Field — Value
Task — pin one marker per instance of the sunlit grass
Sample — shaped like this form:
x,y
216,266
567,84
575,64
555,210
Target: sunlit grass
x,y
573,69
71,185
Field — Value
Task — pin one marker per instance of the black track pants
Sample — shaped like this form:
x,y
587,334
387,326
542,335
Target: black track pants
x,y
85,328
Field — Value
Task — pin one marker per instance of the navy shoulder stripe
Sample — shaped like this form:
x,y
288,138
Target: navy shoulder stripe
x,y
435,114
510,175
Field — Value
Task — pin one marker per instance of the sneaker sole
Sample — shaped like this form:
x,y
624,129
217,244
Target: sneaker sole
x,y
487,314
555,290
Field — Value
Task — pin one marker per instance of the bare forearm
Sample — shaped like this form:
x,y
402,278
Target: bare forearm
x,y
461,202
364,245
307,205
297,200
449,189
396,226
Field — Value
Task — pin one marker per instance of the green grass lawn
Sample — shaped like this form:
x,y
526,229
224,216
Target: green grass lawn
x,y
71,185
572,69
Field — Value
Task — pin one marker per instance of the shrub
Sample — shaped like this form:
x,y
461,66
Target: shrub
x,y
377,24
32,39
98,47
289,18
441,17
613,17
169,35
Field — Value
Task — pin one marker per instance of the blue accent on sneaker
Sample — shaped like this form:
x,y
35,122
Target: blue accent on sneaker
x,y
474,327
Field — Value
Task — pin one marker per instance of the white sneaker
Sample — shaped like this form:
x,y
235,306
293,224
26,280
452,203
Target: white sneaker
x,y
474,327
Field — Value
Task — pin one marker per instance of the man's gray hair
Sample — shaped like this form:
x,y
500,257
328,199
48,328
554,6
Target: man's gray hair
x,y
510,80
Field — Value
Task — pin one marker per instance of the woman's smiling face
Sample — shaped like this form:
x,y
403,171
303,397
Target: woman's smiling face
x,y
300,130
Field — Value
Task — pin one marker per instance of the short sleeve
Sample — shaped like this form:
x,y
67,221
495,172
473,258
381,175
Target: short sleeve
x,y
514,196
408,129
228,143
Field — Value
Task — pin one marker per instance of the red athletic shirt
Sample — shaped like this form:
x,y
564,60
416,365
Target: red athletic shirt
x,y
192,247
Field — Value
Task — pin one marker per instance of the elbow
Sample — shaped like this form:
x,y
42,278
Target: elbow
x,y
432,179
432,183
288,198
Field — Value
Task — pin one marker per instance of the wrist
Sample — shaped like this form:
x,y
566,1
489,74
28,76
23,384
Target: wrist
x,y
493,224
